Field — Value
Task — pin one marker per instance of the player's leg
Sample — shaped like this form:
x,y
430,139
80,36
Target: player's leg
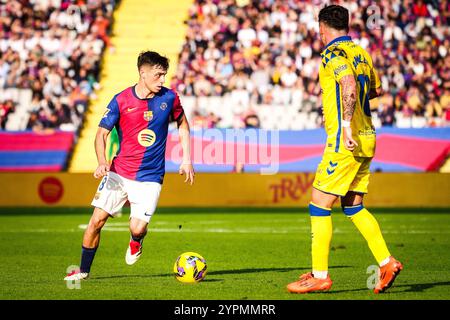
x,y
138,230
91,239
321,233
109,198
143,198
330,182
367,224
352,205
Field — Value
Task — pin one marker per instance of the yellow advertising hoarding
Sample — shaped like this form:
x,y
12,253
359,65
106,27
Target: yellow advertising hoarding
x,y
225,190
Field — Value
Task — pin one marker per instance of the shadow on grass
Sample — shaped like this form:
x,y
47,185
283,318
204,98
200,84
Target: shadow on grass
x,y
409,287
218,272
253,270
419,287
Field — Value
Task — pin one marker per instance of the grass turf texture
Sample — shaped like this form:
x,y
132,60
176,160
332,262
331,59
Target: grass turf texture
x,y
250,256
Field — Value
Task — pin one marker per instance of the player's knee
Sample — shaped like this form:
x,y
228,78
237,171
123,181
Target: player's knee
x,y
96,224
138,232
352,199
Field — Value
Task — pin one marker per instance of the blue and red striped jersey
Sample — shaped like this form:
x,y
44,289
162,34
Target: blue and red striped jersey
x,y
142,127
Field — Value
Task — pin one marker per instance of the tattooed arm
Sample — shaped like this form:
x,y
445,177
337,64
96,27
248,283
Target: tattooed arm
x,y
348,85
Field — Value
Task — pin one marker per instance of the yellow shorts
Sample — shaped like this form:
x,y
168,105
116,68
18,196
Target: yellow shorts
x,y
339,173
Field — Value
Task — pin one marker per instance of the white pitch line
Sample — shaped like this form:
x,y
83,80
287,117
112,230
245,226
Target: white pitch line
x,y
201,227
223,230
120,227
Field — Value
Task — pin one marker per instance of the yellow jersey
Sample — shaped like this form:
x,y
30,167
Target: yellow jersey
x,y
342,57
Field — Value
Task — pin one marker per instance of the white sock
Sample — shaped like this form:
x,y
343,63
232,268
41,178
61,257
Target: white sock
x,y
320,274
384,262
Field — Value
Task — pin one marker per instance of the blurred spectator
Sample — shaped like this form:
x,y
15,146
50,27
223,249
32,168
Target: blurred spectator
x,y
34,123
200,121
433,107
387,115
6,108
252,121
445,99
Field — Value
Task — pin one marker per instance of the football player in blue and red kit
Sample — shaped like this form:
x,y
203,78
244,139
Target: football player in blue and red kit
x,y
141,115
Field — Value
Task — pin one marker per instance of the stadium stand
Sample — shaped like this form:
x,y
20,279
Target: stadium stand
x,y
262,58
51,51
50,54
236,64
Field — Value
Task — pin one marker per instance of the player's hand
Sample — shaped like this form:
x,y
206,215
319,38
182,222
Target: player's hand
x,y
188,169
101,171
349,143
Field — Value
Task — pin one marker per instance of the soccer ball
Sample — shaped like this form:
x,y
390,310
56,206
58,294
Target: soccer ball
x,y
190,267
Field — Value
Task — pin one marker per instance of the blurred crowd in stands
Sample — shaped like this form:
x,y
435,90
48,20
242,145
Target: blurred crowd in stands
x,y
250,58
53,48
267,53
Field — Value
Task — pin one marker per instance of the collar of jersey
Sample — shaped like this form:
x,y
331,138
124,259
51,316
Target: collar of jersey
x,y
133,89
338,39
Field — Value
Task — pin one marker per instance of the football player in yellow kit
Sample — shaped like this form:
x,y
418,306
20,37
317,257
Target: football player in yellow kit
x,y
348,80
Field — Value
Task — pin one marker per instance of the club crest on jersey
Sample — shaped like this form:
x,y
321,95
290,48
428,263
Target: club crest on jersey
x,y
163,106
148,115
146,137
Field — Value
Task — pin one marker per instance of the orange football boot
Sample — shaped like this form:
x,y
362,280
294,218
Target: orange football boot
x,y
387,275
308,283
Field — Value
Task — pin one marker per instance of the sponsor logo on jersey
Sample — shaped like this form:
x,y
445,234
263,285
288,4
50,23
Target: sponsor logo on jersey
x,y
146,137
148,115
340,69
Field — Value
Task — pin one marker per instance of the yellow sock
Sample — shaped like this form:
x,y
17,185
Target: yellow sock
x,y
369,228
321,232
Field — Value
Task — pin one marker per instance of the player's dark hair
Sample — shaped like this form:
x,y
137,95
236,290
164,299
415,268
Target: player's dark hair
x,y
335,17
152,58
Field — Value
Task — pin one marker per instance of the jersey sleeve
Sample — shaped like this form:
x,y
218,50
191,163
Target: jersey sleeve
x,y
374,79
111,115
177,109
339,67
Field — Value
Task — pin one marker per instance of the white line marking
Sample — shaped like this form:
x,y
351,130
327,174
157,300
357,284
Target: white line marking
x,y
120,227
201,227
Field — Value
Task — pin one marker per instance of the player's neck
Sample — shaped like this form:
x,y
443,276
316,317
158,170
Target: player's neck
x,y
334,34
142,92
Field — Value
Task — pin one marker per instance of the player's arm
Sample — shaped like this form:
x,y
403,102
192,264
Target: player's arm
x,y
107,123
100,151
375,83
348,85
375,92
185,140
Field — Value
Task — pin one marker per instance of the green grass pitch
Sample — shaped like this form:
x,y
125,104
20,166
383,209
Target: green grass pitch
x,y
250,255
